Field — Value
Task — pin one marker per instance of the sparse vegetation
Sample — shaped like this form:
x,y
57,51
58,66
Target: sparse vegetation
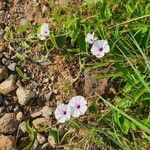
x,y
118,116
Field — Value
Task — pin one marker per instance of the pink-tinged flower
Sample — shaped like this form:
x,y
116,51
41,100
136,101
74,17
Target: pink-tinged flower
x,y
44,31
99,48
62,113
90,38
78,106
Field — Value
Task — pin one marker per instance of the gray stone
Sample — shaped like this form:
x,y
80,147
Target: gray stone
x,y
24,95
3,72
6,55
46,112
6,62
12,66
8,85
2,109
8,123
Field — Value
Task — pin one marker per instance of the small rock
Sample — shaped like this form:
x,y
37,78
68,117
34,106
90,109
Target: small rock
x,y
22,127
40,138
6,55
23,22
46,80
8,123
24,95
3,72
12,66
7,143
2,109
44,9
19,116
45,146
48,95
36,114
6,62
6,102
16,108
8,85
41,121
46,112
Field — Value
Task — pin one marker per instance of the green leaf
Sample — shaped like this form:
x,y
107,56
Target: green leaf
x,y
82,43
60,40
20,73
55,135
136,122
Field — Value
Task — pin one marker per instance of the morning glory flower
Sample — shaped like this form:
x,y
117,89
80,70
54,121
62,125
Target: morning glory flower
x,y
62,113
99,48
44,31
90,38
78,106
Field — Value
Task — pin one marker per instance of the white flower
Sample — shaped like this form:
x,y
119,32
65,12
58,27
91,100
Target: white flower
x,y
44,31
99,48
78,106
90,38
62,113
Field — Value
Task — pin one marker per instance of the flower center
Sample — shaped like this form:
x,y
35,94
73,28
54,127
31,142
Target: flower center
x,y
65,112
78,106
100,49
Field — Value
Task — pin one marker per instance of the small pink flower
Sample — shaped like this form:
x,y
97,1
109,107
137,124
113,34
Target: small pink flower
x,y
90,38
78,106
44,31
62,113
99,48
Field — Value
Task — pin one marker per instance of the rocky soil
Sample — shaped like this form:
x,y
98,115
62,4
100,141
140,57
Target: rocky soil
x,y
47,84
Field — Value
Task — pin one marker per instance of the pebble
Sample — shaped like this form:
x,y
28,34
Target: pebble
x,y
46,112
7,142
6,62
23,22
41,138
12,66
44,9
2,109
48,95
19,116
24,95
6,55
36,114
8,123
8,85
6,102
16,108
